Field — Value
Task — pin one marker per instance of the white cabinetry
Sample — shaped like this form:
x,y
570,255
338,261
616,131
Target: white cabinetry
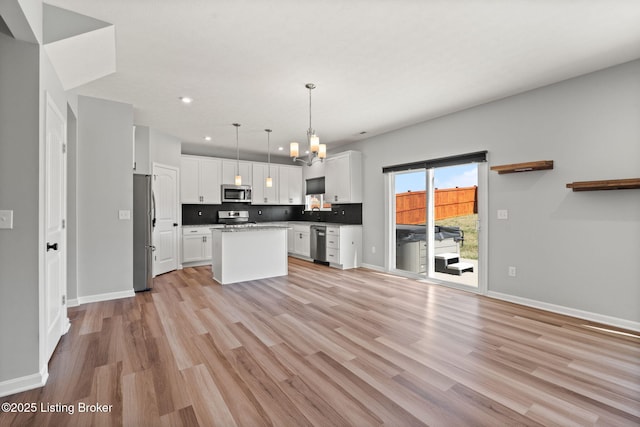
x,y
290,185
343,178
344,246
301,240
196,244
261,194
200,180
229,168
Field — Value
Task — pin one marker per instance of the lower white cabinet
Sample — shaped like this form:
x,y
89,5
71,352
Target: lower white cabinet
x,y
196,244
301,240
344,246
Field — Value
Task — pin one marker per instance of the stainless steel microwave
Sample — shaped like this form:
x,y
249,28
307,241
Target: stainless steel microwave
x,y
236,193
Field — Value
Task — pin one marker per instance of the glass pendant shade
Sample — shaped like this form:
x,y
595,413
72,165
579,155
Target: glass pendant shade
x,y
268,181
294,149
322,151
238,178
314,143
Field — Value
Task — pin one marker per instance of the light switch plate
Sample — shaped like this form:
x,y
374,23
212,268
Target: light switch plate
x,y
124,214
6,219
503,214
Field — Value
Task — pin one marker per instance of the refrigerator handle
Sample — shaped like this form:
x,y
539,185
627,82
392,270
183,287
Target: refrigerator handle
x,y
153,207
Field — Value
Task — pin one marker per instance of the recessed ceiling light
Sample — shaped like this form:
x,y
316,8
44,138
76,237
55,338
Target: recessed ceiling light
x,y
280,148
306,152
186,100
207,138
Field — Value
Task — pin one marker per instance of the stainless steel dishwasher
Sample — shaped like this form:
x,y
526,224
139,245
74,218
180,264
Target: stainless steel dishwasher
x,y
319,243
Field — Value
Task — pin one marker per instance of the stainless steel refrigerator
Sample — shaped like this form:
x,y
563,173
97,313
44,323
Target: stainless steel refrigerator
x,y
143,223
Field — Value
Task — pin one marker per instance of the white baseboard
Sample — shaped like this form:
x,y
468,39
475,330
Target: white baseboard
x,y
194,264
100,297
373,267
568,311
28,382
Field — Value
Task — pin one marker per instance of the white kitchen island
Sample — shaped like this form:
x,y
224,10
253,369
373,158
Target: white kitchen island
x,y
251,253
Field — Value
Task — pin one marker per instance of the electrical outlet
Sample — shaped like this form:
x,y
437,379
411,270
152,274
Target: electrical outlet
x,y
124,214
512,271
259,212
503,214
199,213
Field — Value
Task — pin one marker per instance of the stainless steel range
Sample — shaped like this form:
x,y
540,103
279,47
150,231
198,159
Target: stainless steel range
x,y
235,219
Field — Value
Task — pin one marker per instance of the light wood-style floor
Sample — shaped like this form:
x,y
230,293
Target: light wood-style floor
x,y
326,347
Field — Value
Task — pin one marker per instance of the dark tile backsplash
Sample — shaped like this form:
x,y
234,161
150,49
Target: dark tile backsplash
x,y
208,214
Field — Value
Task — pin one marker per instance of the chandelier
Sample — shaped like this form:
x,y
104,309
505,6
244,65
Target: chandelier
x,y
316,150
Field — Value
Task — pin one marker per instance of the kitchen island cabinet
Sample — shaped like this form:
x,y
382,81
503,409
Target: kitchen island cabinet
x,y
251,253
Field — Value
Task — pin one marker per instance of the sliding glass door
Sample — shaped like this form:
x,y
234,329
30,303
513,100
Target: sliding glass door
x,y
434,223
410,227
455,213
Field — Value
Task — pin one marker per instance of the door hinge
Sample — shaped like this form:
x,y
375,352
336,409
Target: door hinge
x,y
64,299
64,148
64,223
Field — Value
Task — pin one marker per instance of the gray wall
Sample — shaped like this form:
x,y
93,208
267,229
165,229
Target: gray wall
x,y
19,156
142,159
164,148
105,186
577,250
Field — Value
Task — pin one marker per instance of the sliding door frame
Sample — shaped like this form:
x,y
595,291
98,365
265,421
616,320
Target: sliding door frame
x,y
483,230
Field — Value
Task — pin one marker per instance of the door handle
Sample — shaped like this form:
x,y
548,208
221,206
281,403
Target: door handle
x,y
175,224
53,246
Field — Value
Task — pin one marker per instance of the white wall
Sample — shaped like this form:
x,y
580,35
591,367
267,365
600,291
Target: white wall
x,y
105,186
575,250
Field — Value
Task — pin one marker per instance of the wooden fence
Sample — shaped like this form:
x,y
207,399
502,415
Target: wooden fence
x,y
448,203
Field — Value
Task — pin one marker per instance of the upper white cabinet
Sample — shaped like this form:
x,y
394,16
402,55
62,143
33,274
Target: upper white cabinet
x,y
229,168
343,178
200,180
290,185
261,194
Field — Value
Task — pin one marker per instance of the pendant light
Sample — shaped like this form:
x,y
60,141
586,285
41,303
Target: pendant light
x,y
238,178
316,150
268,181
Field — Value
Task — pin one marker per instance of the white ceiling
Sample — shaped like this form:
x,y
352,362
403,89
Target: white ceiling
x,y
378,65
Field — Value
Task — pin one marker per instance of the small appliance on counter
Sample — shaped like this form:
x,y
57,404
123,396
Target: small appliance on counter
x,y
236,193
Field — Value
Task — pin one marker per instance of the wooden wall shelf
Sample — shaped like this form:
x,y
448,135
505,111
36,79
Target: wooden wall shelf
x,y
523,167
610,184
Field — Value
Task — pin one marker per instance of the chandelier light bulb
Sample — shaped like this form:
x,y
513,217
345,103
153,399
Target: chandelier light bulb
x,y
294,149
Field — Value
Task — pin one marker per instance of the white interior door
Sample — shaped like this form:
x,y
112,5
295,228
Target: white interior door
x,y
55,307
165,232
